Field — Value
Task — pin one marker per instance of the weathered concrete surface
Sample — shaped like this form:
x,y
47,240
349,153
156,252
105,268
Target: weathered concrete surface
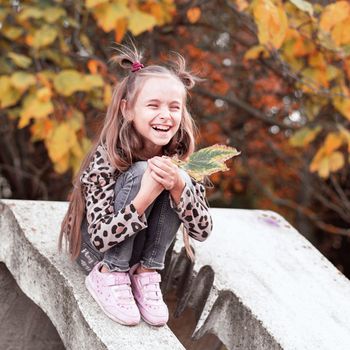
x,y
23,325
272,289
28,236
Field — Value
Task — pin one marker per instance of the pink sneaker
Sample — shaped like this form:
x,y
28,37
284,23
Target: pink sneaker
x,y
112,292
148,296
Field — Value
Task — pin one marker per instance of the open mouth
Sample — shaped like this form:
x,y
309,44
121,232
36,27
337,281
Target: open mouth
x,y
161,128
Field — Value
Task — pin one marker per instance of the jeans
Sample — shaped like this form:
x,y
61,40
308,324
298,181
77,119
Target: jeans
x,y
149,245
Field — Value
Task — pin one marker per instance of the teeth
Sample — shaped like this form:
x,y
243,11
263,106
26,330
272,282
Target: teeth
x,y
160,128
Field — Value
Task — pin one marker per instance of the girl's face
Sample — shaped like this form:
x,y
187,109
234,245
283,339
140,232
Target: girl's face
x,y
157,111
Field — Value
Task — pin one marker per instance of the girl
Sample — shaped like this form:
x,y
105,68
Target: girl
x,y
129,198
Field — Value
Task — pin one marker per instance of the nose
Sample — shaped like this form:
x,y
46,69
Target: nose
x,y
164,113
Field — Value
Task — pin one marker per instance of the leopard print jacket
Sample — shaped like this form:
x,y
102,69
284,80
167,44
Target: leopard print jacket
x,y
107,228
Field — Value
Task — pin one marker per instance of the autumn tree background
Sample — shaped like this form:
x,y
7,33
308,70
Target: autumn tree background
x,y
277,88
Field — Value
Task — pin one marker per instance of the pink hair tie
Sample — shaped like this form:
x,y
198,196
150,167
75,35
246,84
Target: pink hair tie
x,y
137,66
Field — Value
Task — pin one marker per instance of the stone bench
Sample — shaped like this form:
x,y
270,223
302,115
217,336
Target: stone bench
x,y
256,284
28,236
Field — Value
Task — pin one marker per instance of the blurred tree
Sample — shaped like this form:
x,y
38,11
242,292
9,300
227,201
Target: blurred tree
x,y
277,88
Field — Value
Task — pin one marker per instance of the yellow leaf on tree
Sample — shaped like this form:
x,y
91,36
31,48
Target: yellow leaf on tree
x,y
336,161
62,139
333,14
42,37
75,119
44,94
41,129
120,29
107,94
341,32
52,14
22,80
140,21
21,61
62,165
345,134
12,33
193,14
30,12
323,168
93,3
254,52
107,15
68,81
9,95
271,21
33,107
304,136
333,141
342,103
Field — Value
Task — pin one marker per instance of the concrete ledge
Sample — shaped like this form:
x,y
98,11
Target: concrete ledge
x,y
28,234
258,284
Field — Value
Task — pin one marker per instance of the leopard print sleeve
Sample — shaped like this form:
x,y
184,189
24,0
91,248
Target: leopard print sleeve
x,y
106,227
193,211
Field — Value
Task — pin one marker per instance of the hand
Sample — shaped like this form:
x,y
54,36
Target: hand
x,y
150,189
165,172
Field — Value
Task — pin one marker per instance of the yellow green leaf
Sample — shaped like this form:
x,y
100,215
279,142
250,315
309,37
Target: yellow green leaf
x,y
207,161
304,136
69,81
12,33
61,141
33,107
52,14
21,61
9,95
22,80
75,119
42,37
107,15
140,21
30,12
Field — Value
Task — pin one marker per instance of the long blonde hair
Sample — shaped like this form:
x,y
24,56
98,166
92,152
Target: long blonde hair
x,y
123,143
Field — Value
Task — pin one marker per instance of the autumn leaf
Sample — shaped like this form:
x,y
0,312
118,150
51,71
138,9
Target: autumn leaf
x,y
304,136
140,21
108,14
303,6
193,14
207,161
21,61
9,95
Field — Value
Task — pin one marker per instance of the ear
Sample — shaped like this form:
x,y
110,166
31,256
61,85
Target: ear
x,y
124,109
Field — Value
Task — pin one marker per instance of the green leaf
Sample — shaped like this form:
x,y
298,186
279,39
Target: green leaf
x,y
207,161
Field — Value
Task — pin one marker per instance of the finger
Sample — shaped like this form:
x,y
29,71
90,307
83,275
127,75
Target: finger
x,y
159,171
161,164
159,179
